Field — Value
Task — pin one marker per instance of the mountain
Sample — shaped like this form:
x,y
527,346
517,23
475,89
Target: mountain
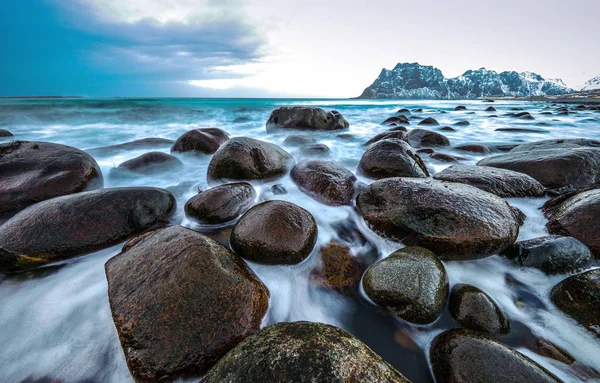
x,y
412,80
592,84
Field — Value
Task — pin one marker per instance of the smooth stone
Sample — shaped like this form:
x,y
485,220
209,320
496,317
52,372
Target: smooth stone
x,y
462,123
522,130
475,310
5,133
305,118
221,204
460,107
391,158
200,141
397,134
144,143
315,150
490,109
153,162
299,140
429,121
400,119
326,182
447,129
340,271
443,157
473,148
423,137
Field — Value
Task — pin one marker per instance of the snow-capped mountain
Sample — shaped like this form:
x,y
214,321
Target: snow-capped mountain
x,y
412,80
592,84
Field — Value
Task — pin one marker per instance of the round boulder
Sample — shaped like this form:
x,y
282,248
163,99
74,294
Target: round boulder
x,y
220,204
424,137
399,119
148,163
181,301
303,352
453,220
305,118
411,283
475,310
244,158
72,225
31,172
275,232
200,141
429,121
391,158
327,182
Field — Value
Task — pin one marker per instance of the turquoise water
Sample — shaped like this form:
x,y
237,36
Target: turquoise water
x,y
55,323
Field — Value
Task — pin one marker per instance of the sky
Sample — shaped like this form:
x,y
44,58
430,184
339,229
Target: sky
x,y
273,48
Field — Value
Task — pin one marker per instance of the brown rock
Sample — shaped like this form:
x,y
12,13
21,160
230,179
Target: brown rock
x,y
341,271
391,158
327,182
221,204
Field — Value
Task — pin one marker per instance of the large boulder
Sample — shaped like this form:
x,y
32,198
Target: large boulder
x,y
305,118
502,182
579,297
244,158
148,163
181,301
302,352
459,356
144,143
275,232
220,204
411,283
475,310
453,220
391,158
554,163
200,141
552,254
325,181
68,226
424,137
31,172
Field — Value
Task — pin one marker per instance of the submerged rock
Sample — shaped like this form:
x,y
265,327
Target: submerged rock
x,y
397,134
305,118
341,271
444,157
244,158
325,181
144,143
502,182
462,356
391,158
473,148
411,283
579,297
318,150
65,227
275,232
303,352
490,109
31,172
460,107
399,119
552,254
453,220
221,204
429,121
424,137
299,140
200,141
5,133
475,310
148,163
462,123
181,301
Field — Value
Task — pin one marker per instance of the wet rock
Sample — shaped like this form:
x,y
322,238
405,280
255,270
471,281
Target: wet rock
x,y
65,227
447,129
490,109
325,181
522,130
299,140
475,310
148,163
443,157
502,182
460,107
462,356
315,150
418,110
278,189
200,141
554,163
398,129
341,271
552,351
31,172
221,204
181,301
346,136
462,123
144,143
579,297
400,119
5,133
423,137
403,111
181,188
429,121
411,283
244,158
305,118
426,151
391,158
241,119
552,254
473,148
303,352
400,135
453,220
523,116
275,232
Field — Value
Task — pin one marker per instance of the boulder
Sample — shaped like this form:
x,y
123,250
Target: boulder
x,y
462,356
447,129
473,148
462,123
341,271
305,118
429,121
403,111
552,254
460,107
275,232
144,143
73,225
200,141
326,182
391,158
502,182
221,204
453,220
399,119
180,302
475,310
318,150
244,158
303,352
444,157
5,133
424,137
148,163
299,140
411,283
579,297
31,172
490,109
523,115
397,134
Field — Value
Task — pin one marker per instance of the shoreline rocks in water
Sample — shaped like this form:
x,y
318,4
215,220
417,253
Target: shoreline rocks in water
x,y
200,141
220,204
303,352
391,158
455,221
153,162
341,271
31,172
324,181
5,133
305,118
69,226
475,310
180,301
423,137
144,143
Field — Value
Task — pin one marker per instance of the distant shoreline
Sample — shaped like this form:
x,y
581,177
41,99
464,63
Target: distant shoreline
x,y
38,97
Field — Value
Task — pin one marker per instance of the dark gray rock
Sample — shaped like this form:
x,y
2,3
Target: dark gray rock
x,y
144,143
399,119
397,134
153,162
473,148
200,141
424,137
305,118
5,133
299,140
327,182
475,310
221,204
429,121
315,150
391,158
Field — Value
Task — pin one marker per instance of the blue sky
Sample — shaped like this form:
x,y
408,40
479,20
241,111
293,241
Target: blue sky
x,y
265,48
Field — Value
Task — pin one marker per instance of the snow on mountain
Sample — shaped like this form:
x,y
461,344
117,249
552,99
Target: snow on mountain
x,y
592,84
412,80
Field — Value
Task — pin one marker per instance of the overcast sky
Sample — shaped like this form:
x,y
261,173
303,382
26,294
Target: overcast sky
x,y
264,48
